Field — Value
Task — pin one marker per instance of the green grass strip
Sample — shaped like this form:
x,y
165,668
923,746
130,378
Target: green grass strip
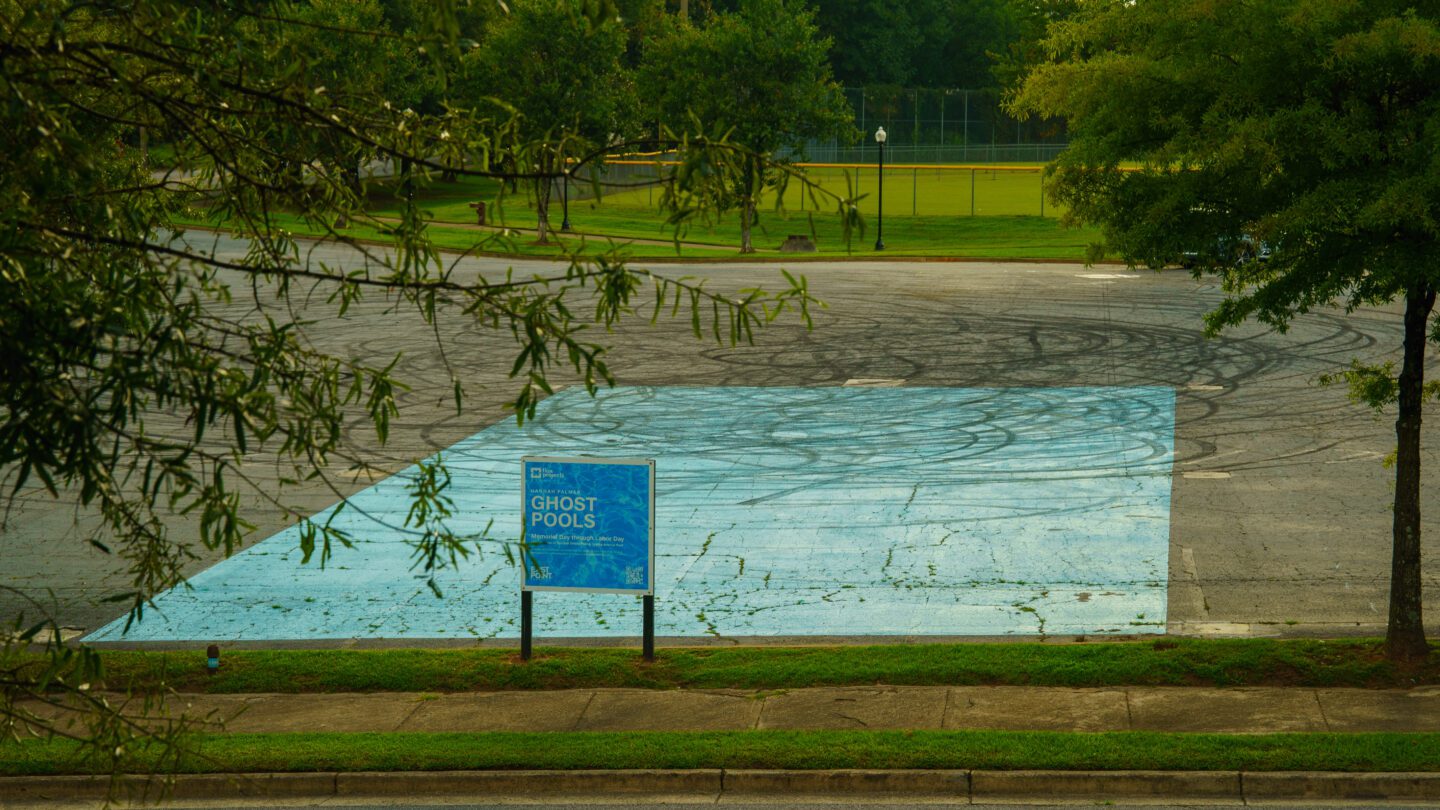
x,y
983,237
1167,662
981,750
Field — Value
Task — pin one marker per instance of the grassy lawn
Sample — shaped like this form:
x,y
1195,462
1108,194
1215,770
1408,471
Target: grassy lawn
x,y
930,191
927,215
1028,237
488,242
980,750
1180,662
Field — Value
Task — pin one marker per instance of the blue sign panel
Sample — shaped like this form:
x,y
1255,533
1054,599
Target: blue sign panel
x,y
589,525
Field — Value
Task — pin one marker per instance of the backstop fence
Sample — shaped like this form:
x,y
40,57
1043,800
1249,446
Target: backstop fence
x,y
947,153
941,126
914,189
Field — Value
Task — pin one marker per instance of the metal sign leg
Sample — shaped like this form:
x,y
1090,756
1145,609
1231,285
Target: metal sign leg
x,y
648,644
525,625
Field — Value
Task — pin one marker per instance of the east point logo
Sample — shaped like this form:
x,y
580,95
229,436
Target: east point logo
x,y
562,511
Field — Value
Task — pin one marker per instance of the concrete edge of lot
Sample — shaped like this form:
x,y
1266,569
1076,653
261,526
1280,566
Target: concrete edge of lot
x,y
1196,787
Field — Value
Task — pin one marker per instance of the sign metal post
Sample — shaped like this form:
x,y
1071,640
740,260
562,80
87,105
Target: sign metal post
x,y
526,628
647,648
589,527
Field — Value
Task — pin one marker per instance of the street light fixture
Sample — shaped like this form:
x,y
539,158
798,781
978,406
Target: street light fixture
x,y
880,209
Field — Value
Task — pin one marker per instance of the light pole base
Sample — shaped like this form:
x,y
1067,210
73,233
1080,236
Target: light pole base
x,y
879,244
565,226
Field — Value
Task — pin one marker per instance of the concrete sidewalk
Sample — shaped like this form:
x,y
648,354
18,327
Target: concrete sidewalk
x,y
1184,709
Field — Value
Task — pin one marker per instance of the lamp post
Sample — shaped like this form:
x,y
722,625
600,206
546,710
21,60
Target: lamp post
x,y
565,193
880,210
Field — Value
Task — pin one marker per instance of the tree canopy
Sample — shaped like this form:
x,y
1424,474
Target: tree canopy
x,y
563,74
942,44
923,43
1311,126
758,75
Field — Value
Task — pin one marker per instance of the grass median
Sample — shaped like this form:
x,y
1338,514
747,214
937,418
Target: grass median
x,y
1166,662
809,750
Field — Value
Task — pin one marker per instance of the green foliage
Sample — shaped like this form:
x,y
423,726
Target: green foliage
x,y
54,691
921,43
1026,48
561,71
759,74
757,77
130,384
1368,384
1311,126
1375,385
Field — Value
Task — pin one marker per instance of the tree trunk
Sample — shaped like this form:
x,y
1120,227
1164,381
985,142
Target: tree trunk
x,y
747,209
292,175
1405,632
542,210
747,213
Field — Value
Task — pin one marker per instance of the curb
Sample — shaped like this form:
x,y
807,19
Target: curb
x,y
850,781
959,785
1300,785
1196,785
185,786
500,783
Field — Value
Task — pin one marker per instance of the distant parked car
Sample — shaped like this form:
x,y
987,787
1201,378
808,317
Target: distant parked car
x,y
1229,251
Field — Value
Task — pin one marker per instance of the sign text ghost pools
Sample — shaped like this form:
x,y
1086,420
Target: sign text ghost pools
x,y
589,525
563,511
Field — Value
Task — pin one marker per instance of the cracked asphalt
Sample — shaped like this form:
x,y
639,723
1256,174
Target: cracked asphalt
x,y
1279,505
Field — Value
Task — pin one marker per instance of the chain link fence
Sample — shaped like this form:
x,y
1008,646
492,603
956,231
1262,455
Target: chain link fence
x,y
941,126
914,189
947,153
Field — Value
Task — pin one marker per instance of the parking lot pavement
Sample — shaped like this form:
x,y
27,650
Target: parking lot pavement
x,y
1279,521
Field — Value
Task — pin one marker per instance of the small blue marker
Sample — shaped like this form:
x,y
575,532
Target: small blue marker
x,y
212,659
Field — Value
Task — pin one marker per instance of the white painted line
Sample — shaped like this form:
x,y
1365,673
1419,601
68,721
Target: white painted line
x,y
46,636
1187,563
1363,455
1210,459
875,382
1207,475
366,473
1199,387
1105,275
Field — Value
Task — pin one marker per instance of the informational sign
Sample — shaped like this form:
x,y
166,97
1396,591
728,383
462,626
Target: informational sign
x,y
589,525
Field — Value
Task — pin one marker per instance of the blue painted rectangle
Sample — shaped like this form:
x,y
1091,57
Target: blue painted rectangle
x,y
785,511
589,525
